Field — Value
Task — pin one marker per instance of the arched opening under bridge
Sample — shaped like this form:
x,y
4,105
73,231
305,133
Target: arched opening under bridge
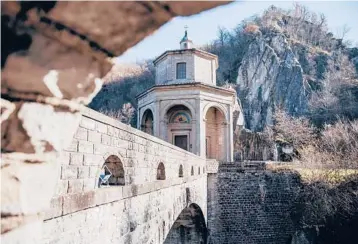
x,y
189,227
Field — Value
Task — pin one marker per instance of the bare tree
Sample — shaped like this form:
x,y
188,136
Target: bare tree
x,y
342,32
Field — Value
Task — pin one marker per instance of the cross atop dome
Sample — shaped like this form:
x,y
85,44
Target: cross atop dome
x,y
185,42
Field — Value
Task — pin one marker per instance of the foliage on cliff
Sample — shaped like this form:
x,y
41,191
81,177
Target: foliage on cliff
x,y
333,147
326,208
117,98
288,59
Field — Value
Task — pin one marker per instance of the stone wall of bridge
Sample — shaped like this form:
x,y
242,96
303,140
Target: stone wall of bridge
x,y
144,209
249,204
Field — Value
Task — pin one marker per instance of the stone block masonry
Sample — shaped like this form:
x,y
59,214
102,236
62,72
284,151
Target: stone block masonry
x,y
248,205
242,203
134,213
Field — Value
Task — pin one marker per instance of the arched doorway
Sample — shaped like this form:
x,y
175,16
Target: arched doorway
x,y
189,227
179,131
215,126
147,122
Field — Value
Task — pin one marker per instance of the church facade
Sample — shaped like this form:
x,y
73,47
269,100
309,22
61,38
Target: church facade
x,y
185,107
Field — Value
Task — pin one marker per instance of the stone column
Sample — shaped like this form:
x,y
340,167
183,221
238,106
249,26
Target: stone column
x,y
193,137
139,118
156,122
164,129
231,135
225,128
203,138
201,130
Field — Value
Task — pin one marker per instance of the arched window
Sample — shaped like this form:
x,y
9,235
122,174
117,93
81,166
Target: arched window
x,y
192,170
147,122
161,172
112,173
198,170
203,170
181,171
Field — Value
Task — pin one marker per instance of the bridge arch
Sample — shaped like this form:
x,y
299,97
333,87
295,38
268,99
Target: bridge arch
x,y
189,227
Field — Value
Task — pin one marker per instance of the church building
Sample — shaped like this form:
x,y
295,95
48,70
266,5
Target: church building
x,y
185,107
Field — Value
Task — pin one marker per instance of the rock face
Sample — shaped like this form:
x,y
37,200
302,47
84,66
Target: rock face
x,y
253,146
270,76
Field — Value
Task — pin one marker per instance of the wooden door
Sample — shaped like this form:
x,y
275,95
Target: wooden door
x,y
181,141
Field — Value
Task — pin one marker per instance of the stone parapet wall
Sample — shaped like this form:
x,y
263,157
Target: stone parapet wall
x,y
248,204
212,166
83,213
99,136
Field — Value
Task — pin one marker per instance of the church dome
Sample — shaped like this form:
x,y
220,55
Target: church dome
x,y
185,37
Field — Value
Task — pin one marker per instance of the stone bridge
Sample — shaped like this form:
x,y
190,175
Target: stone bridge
x,y
157,194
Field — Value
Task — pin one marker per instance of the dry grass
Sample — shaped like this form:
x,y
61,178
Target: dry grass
x,y
327,163
311,175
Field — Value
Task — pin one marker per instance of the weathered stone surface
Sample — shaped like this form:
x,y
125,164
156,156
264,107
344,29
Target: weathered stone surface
x,y
61,187
28,233
253,146
81,134
55,207
69,172
27,196
40,74
83,172
75,202
76,158
85,147
270,76
75,186
34,128
94,136
250,206
90,159
137,19
87,123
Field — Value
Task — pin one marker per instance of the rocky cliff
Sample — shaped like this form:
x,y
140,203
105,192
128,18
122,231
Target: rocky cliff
x,y
288,59
271,76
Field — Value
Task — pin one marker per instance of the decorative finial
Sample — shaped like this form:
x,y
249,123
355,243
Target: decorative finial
x,y
186,29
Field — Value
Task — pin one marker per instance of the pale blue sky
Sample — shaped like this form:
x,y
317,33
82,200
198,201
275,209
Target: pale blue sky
x,y
203,27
